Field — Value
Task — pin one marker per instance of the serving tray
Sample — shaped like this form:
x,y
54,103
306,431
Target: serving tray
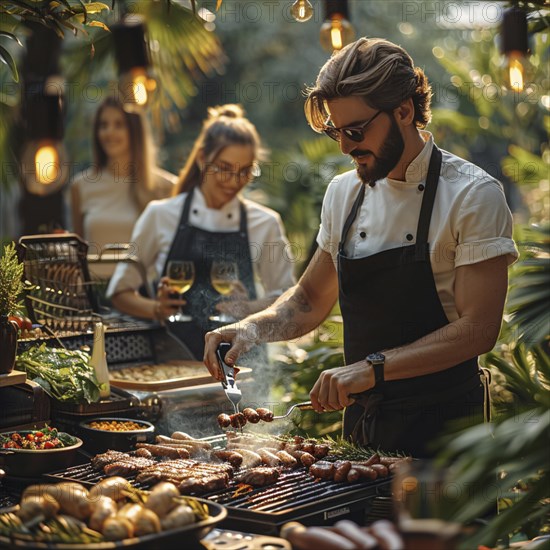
x,y
199,375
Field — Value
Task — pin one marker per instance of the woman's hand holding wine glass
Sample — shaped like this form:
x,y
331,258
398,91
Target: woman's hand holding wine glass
x,y
181,276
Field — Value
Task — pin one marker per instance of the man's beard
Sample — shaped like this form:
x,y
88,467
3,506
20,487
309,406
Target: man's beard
x,y
386,160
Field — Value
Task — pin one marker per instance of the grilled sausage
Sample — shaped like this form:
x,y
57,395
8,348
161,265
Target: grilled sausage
x,y
268,458
233,457
164,450
251,415
308,447
387,460
224,420
303,538
374,459
305,458
144,453
388,539
320,451
251,459
182,435
265,414
381,470
287,459
342,470
238,420
350,530
189,443
322,469
353,476
365,472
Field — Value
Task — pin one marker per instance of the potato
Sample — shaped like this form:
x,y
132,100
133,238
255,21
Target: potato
x,y
112,487
161,499
117,528
179,517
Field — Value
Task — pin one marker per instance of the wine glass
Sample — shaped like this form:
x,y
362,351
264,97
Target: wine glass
x,y
181,276
224,277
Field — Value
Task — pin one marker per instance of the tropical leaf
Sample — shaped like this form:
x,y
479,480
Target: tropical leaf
x,y
6,58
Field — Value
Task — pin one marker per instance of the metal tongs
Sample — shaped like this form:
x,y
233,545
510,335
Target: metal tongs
x,y
229,373
305,406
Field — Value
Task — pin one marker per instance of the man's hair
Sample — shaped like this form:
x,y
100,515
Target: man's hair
x,y
380,72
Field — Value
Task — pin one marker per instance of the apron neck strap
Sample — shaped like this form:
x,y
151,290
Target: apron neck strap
x,y
428,199
356,205
186,208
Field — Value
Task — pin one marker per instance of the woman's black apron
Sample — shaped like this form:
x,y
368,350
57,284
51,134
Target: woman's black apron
x,y
388,300
203,247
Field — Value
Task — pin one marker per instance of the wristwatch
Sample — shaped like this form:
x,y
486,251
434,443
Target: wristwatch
x,y
377,361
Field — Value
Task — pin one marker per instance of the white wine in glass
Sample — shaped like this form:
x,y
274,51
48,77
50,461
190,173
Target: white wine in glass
x,y
181,276
224,277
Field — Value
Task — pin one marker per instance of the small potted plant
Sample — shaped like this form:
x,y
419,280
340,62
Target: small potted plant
x,y
11,286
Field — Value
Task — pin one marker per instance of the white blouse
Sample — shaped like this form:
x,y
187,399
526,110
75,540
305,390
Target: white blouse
x,y
270,252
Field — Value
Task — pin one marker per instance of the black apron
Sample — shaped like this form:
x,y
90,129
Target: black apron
x,y
203,247
388,300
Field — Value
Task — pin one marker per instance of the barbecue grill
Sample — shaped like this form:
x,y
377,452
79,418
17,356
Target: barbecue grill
x,y
296,496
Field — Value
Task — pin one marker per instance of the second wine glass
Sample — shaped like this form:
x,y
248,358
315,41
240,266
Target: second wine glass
x,y
225,278
181,276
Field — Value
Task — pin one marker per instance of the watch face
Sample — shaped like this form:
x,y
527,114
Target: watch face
x,y
376,358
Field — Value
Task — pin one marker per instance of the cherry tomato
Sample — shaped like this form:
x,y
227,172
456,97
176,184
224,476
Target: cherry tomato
x,y
30,437
48,445
17,320
39,434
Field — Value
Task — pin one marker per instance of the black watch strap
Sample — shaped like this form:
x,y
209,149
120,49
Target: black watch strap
x,y
377,360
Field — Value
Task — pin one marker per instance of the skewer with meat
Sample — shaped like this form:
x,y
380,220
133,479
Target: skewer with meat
x,y
265,414
251,415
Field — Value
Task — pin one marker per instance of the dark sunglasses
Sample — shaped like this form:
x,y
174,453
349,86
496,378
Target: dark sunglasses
x,y
354,133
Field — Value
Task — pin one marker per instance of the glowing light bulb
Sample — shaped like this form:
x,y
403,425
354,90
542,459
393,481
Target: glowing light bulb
x,y
46,162
302,10
44,167
336,33
517,71
136,88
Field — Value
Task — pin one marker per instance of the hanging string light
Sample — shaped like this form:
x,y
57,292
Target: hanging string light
x,y
302,10
515,48
44,166
136,84
336,31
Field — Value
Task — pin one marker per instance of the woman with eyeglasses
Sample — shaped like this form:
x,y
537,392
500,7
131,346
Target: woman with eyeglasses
x,y
208,221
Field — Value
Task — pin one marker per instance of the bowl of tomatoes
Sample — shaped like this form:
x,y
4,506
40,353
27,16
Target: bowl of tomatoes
x,y
31,453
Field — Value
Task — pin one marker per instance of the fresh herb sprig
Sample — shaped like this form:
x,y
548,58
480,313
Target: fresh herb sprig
x,y
11,281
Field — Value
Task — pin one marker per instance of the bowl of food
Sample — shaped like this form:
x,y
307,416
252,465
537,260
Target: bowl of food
x,y
31,453
120,434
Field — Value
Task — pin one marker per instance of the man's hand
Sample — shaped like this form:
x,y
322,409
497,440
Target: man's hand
x,y
242,337
332,390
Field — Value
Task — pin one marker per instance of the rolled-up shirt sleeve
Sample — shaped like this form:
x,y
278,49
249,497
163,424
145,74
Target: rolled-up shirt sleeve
x,y
484,226
325,238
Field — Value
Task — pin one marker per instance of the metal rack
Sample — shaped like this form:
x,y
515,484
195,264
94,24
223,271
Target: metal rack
x,y
60,296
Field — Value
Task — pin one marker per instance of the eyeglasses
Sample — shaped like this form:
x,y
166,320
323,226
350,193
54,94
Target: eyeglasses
x,y
354,133
225,174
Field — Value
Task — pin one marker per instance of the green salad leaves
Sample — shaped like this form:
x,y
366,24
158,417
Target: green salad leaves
x,y
65,375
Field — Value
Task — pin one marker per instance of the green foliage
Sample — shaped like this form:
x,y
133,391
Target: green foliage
x,y
11,285
529,297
